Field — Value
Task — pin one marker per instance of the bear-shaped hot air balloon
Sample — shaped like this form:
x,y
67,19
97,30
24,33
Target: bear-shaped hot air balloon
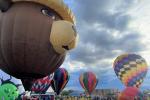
x,y
35,36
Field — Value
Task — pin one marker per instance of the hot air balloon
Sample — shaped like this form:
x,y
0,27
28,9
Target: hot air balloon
x,y
60,79
131,69
88,81
131,93
35,37
40,86
9,90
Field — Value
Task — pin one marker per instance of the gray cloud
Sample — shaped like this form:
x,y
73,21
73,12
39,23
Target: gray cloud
x,y
98,42
95,47
106,12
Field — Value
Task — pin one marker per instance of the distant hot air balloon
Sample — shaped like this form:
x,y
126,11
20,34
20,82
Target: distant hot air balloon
x,y
131,93
41,85
88,81
60,79
131,69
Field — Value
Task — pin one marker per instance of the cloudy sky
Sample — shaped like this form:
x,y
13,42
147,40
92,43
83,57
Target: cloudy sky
x,y
108,28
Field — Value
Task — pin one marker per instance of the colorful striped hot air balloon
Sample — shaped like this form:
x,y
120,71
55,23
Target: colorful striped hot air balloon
x,y
131,69
60,79
42,85
88,81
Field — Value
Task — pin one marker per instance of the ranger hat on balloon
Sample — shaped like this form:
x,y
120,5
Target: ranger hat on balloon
x,y
69,37
35,36
57,5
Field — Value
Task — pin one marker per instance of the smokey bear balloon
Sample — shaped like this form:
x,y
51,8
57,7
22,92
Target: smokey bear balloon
x,y
35,36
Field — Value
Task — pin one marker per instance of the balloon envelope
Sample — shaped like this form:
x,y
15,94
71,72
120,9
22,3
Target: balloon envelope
x,y
88,81
26,50
130,93
60,79
8,91
41,85
131,69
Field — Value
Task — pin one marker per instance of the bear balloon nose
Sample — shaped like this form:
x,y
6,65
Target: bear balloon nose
x,y
63,36
65,47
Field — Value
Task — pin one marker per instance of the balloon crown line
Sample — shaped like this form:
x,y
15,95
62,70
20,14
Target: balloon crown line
x,y
9,81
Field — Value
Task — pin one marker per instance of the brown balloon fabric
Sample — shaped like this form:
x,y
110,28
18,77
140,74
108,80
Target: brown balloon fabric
x,y
25,49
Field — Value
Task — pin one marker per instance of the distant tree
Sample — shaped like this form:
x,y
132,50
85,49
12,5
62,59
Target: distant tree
x,y
66,92
146,91
70,91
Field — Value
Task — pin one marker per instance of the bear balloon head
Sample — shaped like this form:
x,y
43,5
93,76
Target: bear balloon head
x,y
35,36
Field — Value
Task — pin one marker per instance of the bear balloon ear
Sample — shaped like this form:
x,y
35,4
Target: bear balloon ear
x,y
5,5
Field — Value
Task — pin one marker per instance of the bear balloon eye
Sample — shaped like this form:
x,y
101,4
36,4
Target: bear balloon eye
x,y
47,12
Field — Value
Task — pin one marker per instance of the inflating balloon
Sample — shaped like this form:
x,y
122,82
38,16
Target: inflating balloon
x,y
8,90
131,69
60,79
40,86
88,81
35,36
131,93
